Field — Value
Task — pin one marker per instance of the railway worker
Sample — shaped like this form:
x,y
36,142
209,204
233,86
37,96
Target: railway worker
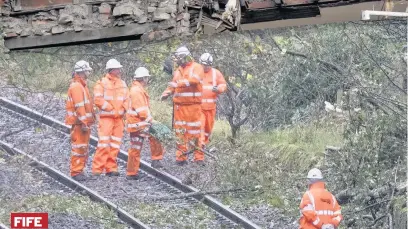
x,y
213,85
111,96
319,208
139,120
186,88
80,116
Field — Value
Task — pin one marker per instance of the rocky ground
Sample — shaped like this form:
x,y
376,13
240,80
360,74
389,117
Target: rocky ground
x,y
24,189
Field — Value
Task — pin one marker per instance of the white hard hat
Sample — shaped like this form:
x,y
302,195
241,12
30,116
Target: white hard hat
x,y
141,72
183,51
113,63
82,66
206,59
314,174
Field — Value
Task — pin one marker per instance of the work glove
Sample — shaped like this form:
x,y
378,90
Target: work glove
x,y
164,97
84,128
215,89
328,226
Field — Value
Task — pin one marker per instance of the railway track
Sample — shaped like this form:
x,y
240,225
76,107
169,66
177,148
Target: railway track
x,y
47,140
72,184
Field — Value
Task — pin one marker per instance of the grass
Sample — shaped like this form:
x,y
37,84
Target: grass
x,y
303,144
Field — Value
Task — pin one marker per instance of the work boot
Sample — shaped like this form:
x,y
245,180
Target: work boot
x,y
79,177
181,163
110,174
135,177
200,162
157,164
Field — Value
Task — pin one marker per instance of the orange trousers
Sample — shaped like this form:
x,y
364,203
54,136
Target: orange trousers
x,y
79,149
136,144
110,132
207,125
187,125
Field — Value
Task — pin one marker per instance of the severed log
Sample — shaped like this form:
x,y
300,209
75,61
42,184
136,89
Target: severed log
x,y
202,150
199,193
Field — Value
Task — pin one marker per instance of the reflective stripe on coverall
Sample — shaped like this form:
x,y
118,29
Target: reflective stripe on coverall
x,y
138,119
187,97
209,103
318,207
79,109
111,96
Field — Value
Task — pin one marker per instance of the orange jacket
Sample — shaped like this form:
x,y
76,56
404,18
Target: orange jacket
x,y
187,84
212,78
138,114
79,105
318,207
111,96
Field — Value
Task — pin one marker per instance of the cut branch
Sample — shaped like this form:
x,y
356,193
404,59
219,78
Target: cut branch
x,y
346,196
199,193
327,64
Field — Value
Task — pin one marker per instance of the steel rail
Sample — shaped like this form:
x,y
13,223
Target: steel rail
x,y
78,187
164,176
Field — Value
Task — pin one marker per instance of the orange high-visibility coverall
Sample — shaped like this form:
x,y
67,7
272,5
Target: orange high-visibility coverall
x,y
209,103
138,118
318,207
111,96
186,88
79,109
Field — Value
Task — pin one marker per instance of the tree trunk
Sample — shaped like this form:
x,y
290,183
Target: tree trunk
x,y
234,130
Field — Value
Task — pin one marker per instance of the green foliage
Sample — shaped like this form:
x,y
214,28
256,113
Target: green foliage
x,y
161,132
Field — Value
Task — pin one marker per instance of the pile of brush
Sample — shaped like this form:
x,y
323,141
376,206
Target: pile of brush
x,y
162,132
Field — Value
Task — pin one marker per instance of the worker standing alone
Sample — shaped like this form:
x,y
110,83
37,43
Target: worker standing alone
x,y
139,119
213,85
186,88
80,116
319,207
111,96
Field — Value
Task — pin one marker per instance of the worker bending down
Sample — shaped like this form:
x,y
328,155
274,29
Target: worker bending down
x,y
186,88
139,119
111,95
213,85
80,116
319,207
